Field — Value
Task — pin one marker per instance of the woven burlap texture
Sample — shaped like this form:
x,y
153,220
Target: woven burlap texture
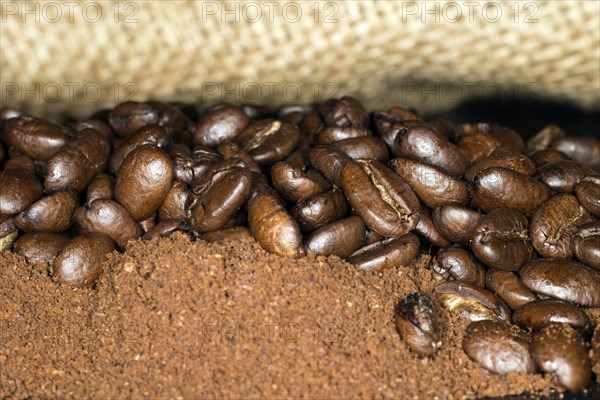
x,y
416,53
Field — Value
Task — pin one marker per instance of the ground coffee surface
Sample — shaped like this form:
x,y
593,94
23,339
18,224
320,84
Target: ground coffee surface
x,y
172,318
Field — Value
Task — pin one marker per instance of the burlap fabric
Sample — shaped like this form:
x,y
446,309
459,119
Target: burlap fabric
x,y
428,54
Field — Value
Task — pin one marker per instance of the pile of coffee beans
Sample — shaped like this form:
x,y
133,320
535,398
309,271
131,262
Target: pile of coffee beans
x,y
513,227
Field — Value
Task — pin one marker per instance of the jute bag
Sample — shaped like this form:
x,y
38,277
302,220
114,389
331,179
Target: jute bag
x,y
77,57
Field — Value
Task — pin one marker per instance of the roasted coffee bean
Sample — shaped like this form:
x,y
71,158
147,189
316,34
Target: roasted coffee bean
x,y
559,349
442,126
427,229
371,148
260,184
110,218
372,237
345,112
417,324
167,228
294,118
220,125
554,224
148,223
173,207
231,150
334,134
387,253
432,185
586,150
506,139
53,213
41,245
297,159
101,187
258,111
562,176
456,223
310,126
471,302
320,210
477,146
427,146
183,162
150,134
387,123
79,263
294,184
381,198
509,288
269,141
509,159
543,157
272,227
588,193
130,116
340,238
294,108
143,181
19,188
329,161
74,166
501,239
91,123
499,347
564,280
227,235
502,187
541,313
8,233
541,141
218,195
35,137
460,265
585,244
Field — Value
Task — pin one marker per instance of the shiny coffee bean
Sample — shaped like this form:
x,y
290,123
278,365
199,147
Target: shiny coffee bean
x,y
79,263
471,302
334,134
173,207
110,218
456,223
501,239
541,141
294,184
562,176
269,141
41,245
560,350
227,235
564,280
588,193
311,125
554,224
417,324
203,160
432,185
130,116
460,265
220,125
91,123
52,213
320,210
340,238
148,223
477,146
427,229
272,227
74,166
543,157
499,347
371,148
502,187
512,160
541,313
294,118
506,139
101,187
586,150
297,159
381,198
183,162
442,126
19,188
259,111
150,134
387,123
167,228
143,181
345,112
585,244
329,161
509,288
386,254
231,150
8,233
35,137
372,237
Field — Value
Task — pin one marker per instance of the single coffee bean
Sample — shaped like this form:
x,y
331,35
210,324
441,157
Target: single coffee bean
x,y
92,123
74,166
340,238
432,185
19,188
586,150
52,213
541,313
110,218
564,280
41,245
272,227
543,157
294,184
509,288
334,134
183,162
501,239
151,134
477,146
502,187
387,253
456,223
509,159
143,181
471,301
559,349
562,176
371,148
329,161
554,224
203,160
231,150
442,126
417,324
269,141
79,263
35,137
381,198
427,229
227,235
585,244
8,233
499,347
220,125
460,265
101,187
541,141
128,117
297,159
310,127
344,112
588,193
173,207
167,228
320,210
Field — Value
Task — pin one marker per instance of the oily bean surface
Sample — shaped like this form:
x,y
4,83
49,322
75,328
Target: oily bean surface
x,y
477,146
509,288
101,187
427,229
231,150
456,223
416,324
586,244
511,160
460,265
562,176
320,210
345,112
472,302
268,141
334,134
173,207
52,213
340,238
586,150
35,137
18,190
371,148
150,134
41,245
387,253
543,157
329,161
294,184
220,125
540,313
588,193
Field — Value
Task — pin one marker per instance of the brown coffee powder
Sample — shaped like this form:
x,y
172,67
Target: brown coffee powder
x,y
172,318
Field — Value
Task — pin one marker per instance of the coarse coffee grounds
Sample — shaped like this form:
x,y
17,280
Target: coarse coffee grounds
x,y
174,318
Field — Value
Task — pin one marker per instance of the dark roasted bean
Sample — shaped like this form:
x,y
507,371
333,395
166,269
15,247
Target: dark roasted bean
x,y
227,235
297,159
130,116
417,324
269,141
310,126
334,134
477,146
220,125
442,126
543,157
340,238
346,111
460,265
19,188
53,213
369,147
585,244
231,150
35,137
543,138
586,150
294,184
173,207
472,302
541,313
320,210
456,223
96,124
427,229
512,160
150,134
588,193
387,253
562,176
257,111
509,288
329,161
506,139
41,245
101,187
